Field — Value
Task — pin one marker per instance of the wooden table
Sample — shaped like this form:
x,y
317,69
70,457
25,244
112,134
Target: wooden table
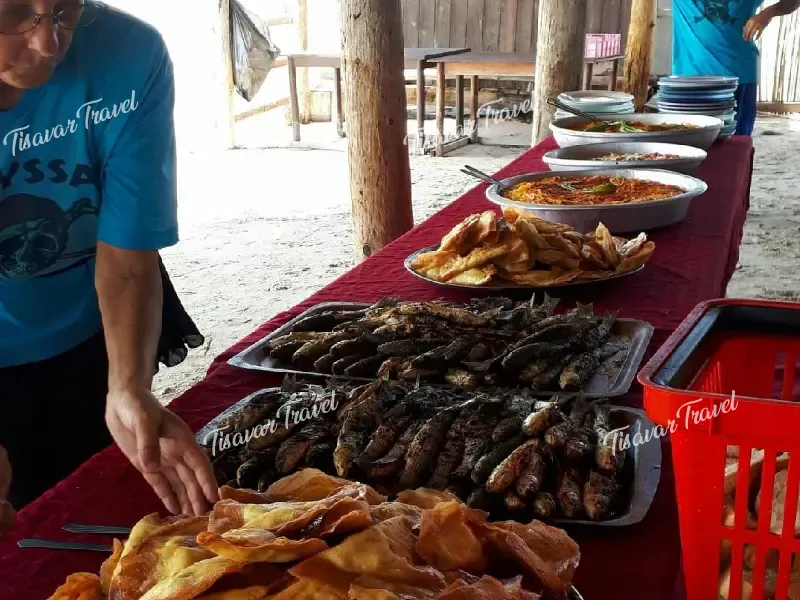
x,y
492,64
415,58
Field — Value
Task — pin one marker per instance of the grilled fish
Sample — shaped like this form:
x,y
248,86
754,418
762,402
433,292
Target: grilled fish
x,y
453,452
392,425
598,495
531,477
461,379
549,378
507,472
409,347
325,363
286,350
545,506
424,449
249,471
320,456
366,367
479,499
454,314
311,351
570,493
477,436
519,408
513,502
389,465
607,457
390,367
483,469
357,425
342,364
350,347
443,355
294,449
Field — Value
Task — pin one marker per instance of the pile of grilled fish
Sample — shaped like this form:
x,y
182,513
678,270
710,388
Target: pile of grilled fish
x,y
504,453
488,342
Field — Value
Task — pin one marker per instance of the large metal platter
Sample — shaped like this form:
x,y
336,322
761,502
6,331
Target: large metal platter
x,y
576,158
612,378
643,462
501,285
619,218
702,137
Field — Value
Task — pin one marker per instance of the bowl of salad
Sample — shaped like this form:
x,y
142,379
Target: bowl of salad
x,y
626,155
699,131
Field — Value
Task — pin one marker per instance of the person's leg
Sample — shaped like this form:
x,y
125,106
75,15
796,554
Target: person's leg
x,y
746,103
54,417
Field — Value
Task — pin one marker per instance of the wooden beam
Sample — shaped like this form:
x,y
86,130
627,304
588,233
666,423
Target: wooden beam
x,y
277,21
228,90
302,38
780,108
559,57
375,111
639,50
261,109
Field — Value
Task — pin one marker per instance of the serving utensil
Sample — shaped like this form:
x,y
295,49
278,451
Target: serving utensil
x,y
483,177
36,543
573,111
99,529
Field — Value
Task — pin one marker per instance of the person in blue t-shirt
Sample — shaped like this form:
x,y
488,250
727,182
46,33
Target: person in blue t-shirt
x,y
717,37
87,198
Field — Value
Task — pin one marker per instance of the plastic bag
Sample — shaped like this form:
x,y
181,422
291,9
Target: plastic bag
x,y
252,52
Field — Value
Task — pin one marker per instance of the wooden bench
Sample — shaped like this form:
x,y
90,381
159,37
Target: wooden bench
x,y
417,59
492,64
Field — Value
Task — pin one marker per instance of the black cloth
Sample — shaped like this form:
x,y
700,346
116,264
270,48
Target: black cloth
x,y
52,413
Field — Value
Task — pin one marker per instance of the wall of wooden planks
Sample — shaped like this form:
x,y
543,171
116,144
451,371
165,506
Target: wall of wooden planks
x,y
496,25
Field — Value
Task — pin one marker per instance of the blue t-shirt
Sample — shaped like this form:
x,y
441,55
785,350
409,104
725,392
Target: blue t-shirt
x,y
88,156
708,38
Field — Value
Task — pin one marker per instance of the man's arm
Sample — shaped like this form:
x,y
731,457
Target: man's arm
x,y
138,217
756,26
129,289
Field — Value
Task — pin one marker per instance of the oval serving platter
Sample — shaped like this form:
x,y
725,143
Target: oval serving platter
x,y
500,285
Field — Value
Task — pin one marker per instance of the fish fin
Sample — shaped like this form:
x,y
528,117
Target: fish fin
x,y
584,309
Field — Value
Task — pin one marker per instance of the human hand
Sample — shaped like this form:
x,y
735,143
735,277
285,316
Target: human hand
x,y
161,446
7,513
757,24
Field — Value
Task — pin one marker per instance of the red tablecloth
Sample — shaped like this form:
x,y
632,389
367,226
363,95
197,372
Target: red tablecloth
x,y
693,262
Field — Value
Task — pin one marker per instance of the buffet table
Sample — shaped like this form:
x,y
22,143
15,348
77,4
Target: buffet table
x,y
693,262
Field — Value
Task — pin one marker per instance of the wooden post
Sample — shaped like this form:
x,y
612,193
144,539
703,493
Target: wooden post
x,y
228,90
441,89
559,57
375,110
639,50
302,35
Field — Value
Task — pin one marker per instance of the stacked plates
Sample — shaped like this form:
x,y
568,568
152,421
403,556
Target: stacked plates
x,y
699,95
597,102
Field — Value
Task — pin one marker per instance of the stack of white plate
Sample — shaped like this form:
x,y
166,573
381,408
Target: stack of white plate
x,y
699,95
597,103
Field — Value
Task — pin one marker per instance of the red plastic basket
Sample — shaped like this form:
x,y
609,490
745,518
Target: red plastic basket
x,y
738,360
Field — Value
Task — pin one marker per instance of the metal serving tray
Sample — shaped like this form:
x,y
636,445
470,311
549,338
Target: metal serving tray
x,y
642,470
576,158
703,136
619,218
611,379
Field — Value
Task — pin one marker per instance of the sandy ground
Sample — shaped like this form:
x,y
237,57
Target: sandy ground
x,y
248,251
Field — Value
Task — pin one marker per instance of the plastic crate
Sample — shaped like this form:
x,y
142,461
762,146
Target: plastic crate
x,y
600,45
738,360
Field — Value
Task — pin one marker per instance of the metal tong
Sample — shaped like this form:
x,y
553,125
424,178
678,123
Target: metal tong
x,y
483,177
567,108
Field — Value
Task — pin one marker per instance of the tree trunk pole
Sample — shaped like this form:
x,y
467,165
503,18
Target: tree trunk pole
x,y
375,110
305,88
559,57
229,122
639,50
